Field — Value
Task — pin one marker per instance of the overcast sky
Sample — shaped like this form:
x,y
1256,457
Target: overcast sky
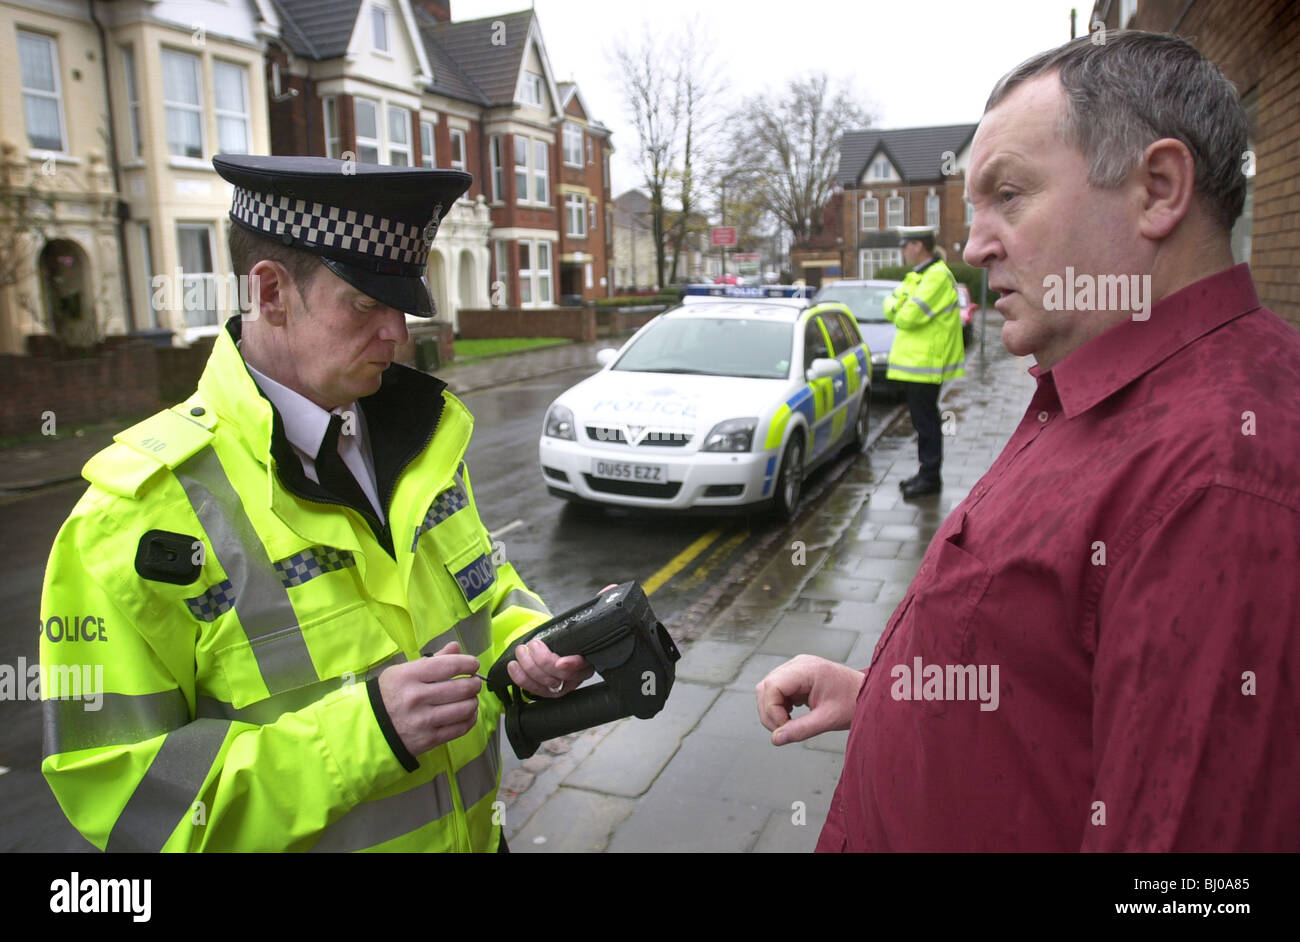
x,y
911,62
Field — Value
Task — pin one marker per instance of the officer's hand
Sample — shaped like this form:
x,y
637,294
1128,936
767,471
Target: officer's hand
x,y
830,689
537,669
429,700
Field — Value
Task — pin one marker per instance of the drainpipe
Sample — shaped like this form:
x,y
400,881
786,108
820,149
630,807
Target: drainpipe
x,y
123,211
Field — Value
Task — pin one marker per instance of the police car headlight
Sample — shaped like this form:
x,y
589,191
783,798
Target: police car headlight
x,y
559,423
732,435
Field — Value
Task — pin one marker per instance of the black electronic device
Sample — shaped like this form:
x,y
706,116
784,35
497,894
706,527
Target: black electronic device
x,y
621,638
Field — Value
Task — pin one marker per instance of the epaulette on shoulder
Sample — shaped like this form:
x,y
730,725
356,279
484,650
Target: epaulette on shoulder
x,y
164,440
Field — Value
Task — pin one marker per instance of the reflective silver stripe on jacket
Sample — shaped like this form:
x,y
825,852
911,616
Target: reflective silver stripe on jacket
x,y
927,370
478,778
375,822
474,634
383,819
272,708
261,599
523,600
165,796
121,718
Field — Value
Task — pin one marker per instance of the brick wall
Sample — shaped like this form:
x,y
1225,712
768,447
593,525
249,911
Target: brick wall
x,y
123,378
120,381
571,323
1257,46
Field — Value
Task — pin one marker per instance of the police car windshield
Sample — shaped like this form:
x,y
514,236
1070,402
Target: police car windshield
x,y
867,302
712,346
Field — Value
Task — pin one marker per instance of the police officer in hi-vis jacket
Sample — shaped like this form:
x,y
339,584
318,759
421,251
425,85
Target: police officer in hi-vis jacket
x,y
927,349
291,584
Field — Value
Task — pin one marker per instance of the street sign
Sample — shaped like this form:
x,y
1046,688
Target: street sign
x,y
723,235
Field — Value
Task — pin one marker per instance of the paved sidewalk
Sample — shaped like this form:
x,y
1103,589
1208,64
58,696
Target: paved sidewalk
x,y
703,776
41,462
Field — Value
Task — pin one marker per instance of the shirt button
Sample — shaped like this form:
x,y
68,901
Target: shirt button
x,y
197,410
1044,416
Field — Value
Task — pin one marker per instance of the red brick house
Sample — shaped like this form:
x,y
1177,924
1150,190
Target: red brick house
x,y
397,82
887,179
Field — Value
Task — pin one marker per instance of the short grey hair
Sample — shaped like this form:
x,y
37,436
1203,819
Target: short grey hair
x,y
1132,89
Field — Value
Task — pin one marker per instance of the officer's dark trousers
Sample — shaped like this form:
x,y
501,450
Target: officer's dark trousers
x,y
923,401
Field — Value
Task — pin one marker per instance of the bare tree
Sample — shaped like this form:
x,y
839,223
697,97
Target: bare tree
x,y
652,95
698,87
792,142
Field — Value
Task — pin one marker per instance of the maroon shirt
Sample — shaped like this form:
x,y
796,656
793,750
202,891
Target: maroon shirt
x,y
1131,564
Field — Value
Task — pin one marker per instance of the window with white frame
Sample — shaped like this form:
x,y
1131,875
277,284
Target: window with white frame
x,y
501,252
38,59
525,273
542,272
132,101
541,172
367,120
592,215
399,136
330,106
230,84
521,169
893,212
194,245
457,149
379,28
575,210
426,144
881,169
572,145
183,103
591,150
932,209
871,261
498,169
970,212
870,214
530,90
605,179
534,273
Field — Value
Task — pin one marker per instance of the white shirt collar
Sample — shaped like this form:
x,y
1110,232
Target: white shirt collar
x,y
305,423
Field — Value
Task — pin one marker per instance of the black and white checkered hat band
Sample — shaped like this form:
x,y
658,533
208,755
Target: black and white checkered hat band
x,y
321,225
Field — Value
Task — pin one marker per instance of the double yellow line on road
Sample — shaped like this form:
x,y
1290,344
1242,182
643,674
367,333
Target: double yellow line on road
x,y
680,561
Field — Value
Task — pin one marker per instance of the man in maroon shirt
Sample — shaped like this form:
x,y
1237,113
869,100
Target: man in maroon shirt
x,y
1101,648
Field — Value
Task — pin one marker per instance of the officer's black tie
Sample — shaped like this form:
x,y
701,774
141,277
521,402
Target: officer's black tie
x,y
335,476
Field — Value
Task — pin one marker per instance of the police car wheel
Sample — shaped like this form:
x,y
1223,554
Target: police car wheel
x,y
859,443
790,483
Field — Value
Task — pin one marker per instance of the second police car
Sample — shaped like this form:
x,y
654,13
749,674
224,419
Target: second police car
x,y
729,399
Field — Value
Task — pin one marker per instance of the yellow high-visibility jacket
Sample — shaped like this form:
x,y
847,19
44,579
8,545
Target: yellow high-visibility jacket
x,y
236,711
928,347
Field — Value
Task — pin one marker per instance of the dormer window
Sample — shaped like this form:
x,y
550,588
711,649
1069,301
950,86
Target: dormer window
x,y
531,91
881,169
379,28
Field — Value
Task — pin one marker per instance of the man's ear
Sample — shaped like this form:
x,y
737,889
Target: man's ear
x,y
272,288
1167,175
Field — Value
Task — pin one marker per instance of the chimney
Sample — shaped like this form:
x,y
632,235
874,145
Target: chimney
x,y
440,10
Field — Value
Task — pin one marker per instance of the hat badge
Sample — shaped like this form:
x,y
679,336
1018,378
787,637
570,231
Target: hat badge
x,y
431,227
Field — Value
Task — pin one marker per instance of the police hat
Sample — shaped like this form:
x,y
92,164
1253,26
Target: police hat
x,y
908,234
371,225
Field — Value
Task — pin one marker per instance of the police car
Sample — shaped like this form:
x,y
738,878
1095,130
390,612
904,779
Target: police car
x,y
727,400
